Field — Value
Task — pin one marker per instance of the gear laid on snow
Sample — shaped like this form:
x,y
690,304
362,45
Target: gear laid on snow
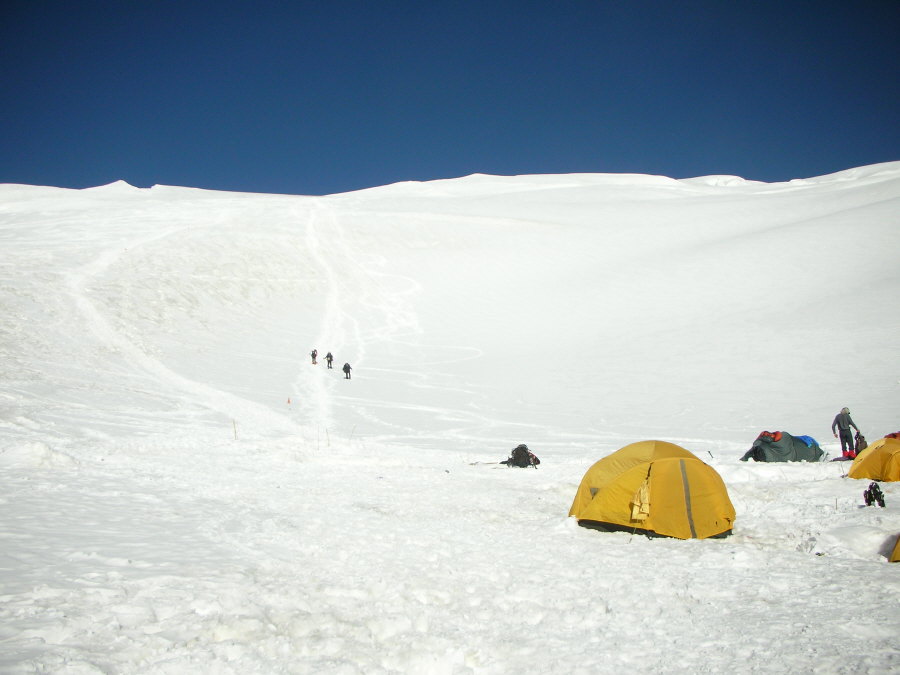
x,y
522,457
874,495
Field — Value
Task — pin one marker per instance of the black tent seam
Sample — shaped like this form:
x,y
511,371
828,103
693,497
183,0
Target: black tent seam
x,y
687,499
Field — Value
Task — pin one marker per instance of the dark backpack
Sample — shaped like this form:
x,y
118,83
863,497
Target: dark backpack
x,y
522,457
874,495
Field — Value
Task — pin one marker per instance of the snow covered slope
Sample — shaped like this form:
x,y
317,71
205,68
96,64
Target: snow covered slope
x,y
185,491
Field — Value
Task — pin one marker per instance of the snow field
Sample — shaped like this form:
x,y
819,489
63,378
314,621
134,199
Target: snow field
x,y
166,510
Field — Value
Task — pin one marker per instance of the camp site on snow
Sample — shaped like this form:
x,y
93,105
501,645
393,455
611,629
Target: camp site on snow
x,y
164,509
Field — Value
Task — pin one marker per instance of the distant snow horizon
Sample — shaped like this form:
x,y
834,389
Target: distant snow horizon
x,y
722,180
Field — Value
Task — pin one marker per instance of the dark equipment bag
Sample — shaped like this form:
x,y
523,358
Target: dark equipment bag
x,y
522,457
874,495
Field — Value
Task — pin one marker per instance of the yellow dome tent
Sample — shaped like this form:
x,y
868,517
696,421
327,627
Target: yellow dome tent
x,y
657,487
880,461
895,556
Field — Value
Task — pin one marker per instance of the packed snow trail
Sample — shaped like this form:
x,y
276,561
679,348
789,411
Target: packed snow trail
x,y
338,329
388,351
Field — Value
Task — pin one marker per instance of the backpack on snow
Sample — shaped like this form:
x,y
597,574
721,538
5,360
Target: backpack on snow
x,y
874,495
860,444
522,457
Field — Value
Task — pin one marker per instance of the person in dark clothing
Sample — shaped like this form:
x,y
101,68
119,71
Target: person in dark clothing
x,y
842,423
347,370
314,353
329,358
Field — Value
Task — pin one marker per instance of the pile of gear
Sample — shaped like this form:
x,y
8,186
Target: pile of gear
x,y
522,457
874,495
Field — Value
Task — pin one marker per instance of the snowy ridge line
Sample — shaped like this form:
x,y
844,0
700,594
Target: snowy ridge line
x,y
480,183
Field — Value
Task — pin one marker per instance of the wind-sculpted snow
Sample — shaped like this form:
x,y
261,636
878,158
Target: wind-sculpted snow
x,y
184,491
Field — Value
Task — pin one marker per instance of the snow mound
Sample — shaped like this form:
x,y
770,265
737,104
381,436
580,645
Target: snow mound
x,y
116,188
720,181
35,455
861,541
480,184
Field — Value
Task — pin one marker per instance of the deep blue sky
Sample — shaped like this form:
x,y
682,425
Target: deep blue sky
x,y
330,96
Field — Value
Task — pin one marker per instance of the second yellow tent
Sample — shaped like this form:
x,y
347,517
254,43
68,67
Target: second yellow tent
x,y
880,461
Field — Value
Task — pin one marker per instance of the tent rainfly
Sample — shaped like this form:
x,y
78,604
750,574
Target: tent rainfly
x,y
654,487
880,461
780,446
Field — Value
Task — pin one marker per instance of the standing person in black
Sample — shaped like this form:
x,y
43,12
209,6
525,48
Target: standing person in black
x,y
347,370
843,422
329,358
314,353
